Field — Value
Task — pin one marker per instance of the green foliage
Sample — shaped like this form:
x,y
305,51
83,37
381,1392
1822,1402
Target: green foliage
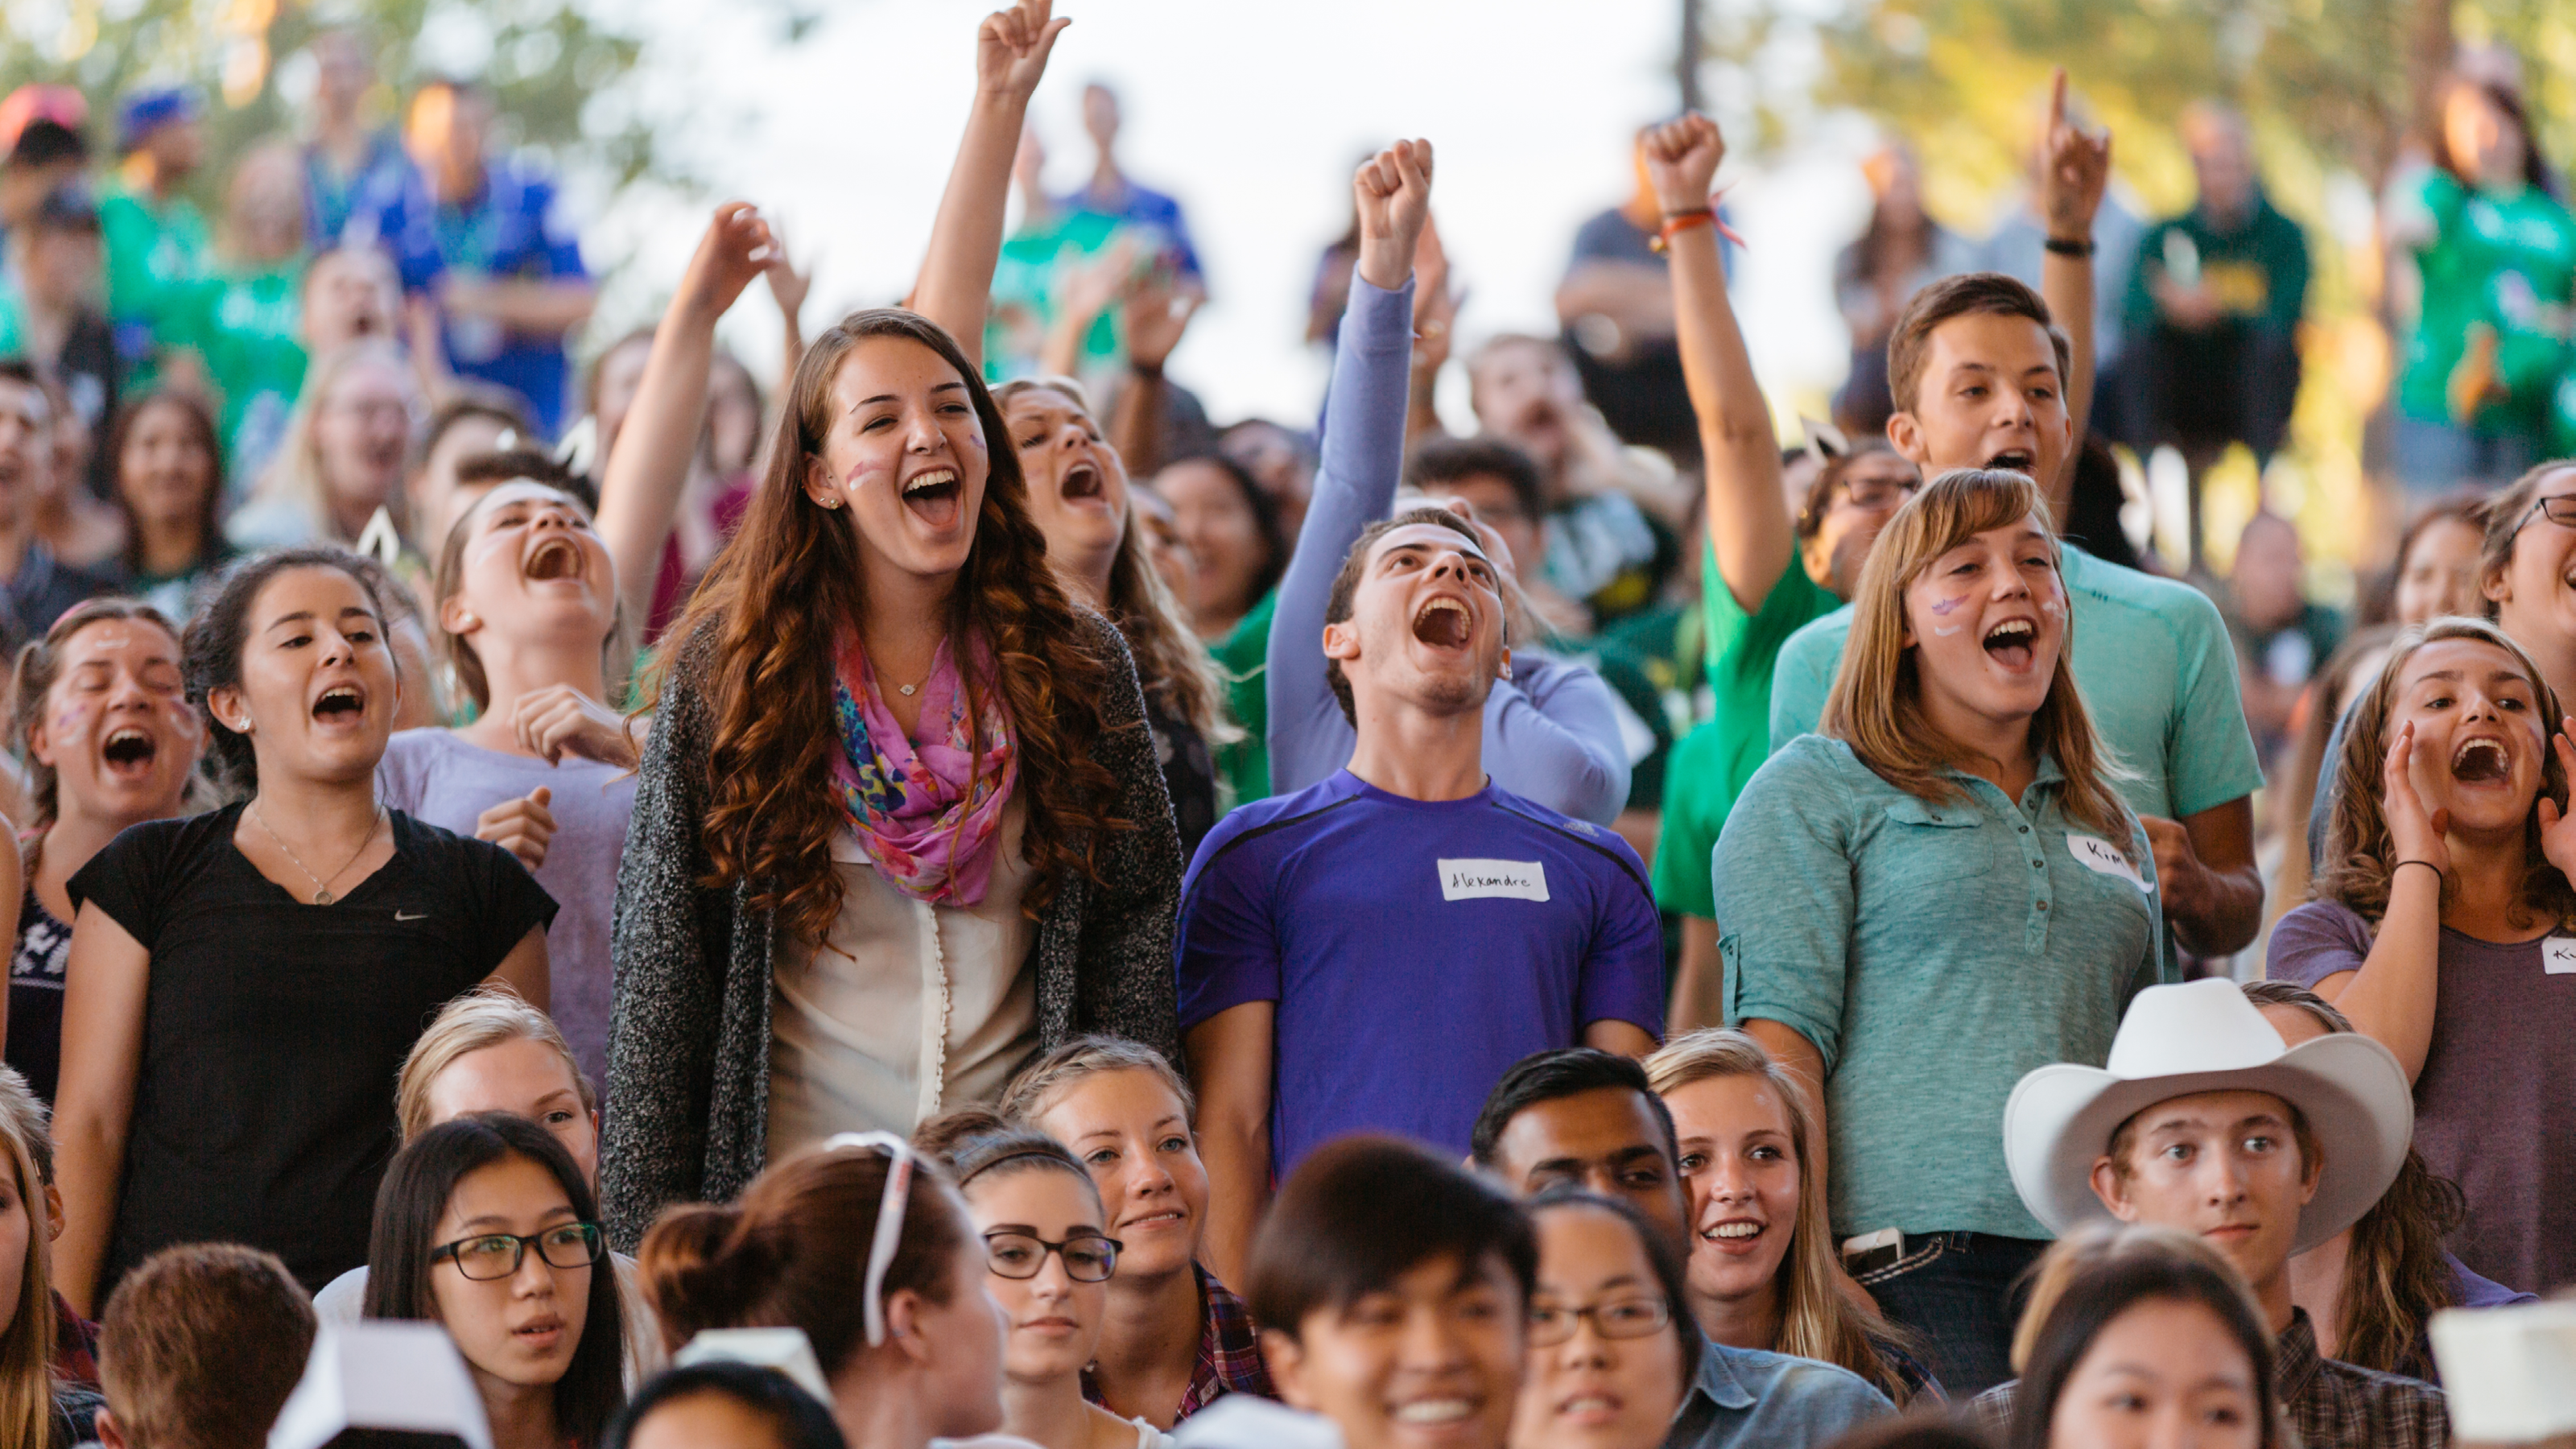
x,y
554,69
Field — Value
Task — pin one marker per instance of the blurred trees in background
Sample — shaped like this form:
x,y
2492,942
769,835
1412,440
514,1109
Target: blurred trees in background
x,y
554,68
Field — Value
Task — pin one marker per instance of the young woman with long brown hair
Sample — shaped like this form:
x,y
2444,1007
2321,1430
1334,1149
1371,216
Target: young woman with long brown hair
x,y
1078,493
1870,879
900,825
2440,922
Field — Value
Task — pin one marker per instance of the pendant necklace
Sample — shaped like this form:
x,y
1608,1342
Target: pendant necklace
x,y
321,888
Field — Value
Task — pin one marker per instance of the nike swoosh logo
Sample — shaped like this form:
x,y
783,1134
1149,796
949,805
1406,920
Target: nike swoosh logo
x,y
422,916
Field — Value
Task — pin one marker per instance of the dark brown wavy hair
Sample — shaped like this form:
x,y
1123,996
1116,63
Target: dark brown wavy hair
x,y
2359,852
759,640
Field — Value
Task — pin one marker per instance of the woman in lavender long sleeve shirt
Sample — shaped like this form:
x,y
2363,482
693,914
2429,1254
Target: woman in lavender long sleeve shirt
x,y
1551,732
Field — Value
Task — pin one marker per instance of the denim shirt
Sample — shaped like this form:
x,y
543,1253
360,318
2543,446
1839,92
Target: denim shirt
x,y
1933,952
1750,1397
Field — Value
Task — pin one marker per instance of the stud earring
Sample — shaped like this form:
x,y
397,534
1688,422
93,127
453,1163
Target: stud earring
x,y
468,621
833,503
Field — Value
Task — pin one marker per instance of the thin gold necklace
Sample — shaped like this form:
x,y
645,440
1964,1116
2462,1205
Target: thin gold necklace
x,y
321,888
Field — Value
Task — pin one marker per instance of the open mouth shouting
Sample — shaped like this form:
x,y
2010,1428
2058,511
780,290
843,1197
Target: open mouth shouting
x,y
1443,622
129,751
1082,483
2481,760
935,496
554,556
2014,643
2014,460
341,704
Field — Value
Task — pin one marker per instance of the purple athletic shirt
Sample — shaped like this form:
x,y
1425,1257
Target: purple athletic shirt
x,y
1416,949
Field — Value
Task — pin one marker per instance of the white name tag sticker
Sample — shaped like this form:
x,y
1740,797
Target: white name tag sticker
x,y
1479,880
2558,955
2103,858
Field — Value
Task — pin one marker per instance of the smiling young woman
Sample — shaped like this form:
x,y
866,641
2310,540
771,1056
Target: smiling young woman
x,y
1867,879
2441,926
307,913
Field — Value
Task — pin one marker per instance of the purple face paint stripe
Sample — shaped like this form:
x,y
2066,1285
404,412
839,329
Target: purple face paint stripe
x,y
1946,607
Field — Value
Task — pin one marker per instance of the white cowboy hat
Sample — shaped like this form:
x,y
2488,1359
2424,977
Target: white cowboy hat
x,y
2205,1036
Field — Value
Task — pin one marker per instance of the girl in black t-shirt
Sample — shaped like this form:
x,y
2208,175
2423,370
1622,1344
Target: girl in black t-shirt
x,y
243,985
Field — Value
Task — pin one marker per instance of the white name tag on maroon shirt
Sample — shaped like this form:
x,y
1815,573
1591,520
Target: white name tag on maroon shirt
x,y
1478,880
2103,858
2558,955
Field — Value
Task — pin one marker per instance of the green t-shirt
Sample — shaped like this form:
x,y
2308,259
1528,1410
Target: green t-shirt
x,y
1028,280
1708,769
1243,767
150,251
1878,925
2503,260
244,325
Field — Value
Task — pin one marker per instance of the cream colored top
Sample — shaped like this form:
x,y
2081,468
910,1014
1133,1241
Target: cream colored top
x,y
908,1009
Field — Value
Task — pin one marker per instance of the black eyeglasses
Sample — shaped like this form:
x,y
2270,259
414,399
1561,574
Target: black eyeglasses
x,y
1088,1257
1551,1324
489,1256
2561,511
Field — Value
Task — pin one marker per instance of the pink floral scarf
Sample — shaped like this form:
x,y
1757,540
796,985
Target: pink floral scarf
x,y
929,815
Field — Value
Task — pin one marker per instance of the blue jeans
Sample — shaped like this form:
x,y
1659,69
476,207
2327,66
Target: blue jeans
x,y
2435,458
1961,1293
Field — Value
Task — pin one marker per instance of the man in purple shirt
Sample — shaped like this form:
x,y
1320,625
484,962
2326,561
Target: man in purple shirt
x,y
1370,953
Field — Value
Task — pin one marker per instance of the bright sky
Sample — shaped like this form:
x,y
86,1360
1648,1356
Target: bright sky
x,y
1254,117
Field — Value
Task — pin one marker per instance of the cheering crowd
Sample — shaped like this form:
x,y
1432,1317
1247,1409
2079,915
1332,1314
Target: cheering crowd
x,y
943,897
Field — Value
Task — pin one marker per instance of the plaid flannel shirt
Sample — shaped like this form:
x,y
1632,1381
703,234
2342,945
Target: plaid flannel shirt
x,y
1229,1360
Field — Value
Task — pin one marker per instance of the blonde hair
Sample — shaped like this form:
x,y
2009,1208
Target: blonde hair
x,y
1816,1321
1877,702
1034,1091
27,1348
487,1016
2092,1244
296,474
2359,851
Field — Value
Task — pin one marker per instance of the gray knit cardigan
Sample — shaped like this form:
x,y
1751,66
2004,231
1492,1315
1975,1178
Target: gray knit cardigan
x,y
688,1041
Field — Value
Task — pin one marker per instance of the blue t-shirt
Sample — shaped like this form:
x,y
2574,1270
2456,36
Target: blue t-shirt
x,y
1416,949
349,210
514,230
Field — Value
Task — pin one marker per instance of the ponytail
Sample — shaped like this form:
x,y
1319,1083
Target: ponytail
x,y
793,1252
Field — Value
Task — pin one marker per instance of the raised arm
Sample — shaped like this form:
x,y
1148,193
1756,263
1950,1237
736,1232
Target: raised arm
x,y
1362,458
956,285
2391,998
639,489
2070,192
1749,528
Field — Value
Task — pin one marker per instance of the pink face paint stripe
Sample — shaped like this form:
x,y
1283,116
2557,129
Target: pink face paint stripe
x,y
1946,607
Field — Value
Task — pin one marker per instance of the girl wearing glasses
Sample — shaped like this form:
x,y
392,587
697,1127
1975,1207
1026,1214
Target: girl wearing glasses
x,y
1048,1263
486,1227
1611,1349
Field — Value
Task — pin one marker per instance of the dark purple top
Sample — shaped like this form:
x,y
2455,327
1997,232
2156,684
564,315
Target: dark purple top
x,y
2489,1104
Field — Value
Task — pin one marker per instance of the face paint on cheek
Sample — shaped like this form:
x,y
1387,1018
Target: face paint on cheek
x,y
1946,607
1946,632
490,544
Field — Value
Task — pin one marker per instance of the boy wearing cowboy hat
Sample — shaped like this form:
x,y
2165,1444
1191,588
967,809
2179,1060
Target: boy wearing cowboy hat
x,y
2204,1121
